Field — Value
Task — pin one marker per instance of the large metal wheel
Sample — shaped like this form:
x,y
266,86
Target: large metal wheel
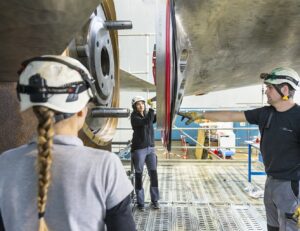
x,y
171,59
99,130
97,48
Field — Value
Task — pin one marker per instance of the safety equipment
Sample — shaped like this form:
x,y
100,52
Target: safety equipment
x,y
149,102
296,216
57,82
136,99
191,116
285,97
282,75
152,103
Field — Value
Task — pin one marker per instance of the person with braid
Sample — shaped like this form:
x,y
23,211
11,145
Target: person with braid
x,y
55,182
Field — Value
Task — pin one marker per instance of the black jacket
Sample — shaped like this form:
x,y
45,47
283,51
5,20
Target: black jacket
x,y
143,132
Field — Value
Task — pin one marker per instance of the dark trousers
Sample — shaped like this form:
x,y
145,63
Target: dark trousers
x,y
139,158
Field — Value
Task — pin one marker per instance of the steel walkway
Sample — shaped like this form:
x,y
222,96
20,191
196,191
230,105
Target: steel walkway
x,y
203,196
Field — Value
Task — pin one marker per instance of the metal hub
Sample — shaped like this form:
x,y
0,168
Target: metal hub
x,y
101,59
96,46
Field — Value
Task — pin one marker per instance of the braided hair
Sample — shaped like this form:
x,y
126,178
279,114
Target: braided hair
x,y
44,159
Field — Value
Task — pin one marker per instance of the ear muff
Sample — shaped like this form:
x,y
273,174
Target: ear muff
x,y
285,98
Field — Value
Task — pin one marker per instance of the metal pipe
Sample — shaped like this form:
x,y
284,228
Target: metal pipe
x,y
110,112
202,146
201,128
139,72
209,135
148,58
206,147
137,35
212,128
118,25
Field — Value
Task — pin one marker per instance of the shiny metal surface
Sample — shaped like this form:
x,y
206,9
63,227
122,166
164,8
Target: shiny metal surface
x,y
118,25
104,60
233,41
101,56
161,62
110,112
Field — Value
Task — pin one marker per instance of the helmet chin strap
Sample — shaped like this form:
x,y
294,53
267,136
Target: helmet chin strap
x,y
284,97
62,116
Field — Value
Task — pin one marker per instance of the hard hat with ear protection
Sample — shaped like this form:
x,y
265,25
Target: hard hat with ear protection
x,y
282,75
57,82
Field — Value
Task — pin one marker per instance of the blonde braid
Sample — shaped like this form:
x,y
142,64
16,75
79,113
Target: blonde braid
x,y
44,159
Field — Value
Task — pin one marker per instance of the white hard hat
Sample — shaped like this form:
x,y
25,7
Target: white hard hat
x,y
282,75
136,99
57,82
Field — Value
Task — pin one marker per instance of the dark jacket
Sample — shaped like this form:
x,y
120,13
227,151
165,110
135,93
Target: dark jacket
x,y
143,133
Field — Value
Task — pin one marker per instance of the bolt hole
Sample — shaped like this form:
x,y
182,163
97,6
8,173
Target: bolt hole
x,y
105,66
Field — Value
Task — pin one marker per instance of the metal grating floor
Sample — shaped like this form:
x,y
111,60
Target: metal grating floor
x,y
203,196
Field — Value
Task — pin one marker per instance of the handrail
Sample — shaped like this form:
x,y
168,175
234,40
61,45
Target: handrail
x,y
200,128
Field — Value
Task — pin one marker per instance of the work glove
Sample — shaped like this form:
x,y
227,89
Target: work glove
x,y
191,116
296,216
151,103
